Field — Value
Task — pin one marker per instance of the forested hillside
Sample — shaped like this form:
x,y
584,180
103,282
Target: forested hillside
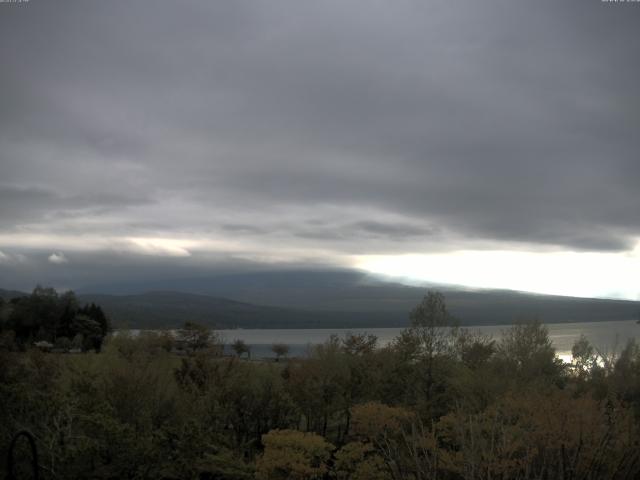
x,y
332,299
329,299
439,402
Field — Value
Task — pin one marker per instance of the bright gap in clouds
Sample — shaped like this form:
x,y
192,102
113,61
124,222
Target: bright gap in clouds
x,y
580,274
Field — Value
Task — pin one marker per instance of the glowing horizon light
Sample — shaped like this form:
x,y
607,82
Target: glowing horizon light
x,y
161,246
577,274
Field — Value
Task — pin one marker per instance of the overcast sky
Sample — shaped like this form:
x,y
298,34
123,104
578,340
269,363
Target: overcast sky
x,y
491,143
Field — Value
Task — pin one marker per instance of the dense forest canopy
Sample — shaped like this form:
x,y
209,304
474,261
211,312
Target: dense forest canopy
x,y
438,402
54,319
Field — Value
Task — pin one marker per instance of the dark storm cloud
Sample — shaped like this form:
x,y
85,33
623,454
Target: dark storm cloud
x,y
122,272
361,231
21,205
342,126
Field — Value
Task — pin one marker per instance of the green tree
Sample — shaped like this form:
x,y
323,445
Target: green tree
x,y
240,347
526,353
432,332
359,344
280,349
45,315
584,360
194,336
90,331
474,350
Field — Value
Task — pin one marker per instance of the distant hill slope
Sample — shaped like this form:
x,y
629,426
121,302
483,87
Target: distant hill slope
x,y
9,294
329,299
172,309
339,298
355,291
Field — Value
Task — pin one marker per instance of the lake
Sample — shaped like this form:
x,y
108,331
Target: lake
x,y
605,336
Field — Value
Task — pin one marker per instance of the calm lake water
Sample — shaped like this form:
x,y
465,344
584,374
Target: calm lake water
x,y
606,336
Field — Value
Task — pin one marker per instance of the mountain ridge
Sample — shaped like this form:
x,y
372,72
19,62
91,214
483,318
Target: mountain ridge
x,y
330,299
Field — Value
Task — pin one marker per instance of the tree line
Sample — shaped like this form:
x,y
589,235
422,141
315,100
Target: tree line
x,y
52,319
439,402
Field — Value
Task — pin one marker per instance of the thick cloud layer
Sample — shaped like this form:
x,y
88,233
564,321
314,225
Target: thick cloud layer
x,y
311,131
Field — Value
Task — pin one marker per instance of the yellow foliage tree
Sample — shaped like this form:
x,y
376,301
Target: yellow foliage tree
x,y
397,435
360,461
550,435
373,419
293,455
